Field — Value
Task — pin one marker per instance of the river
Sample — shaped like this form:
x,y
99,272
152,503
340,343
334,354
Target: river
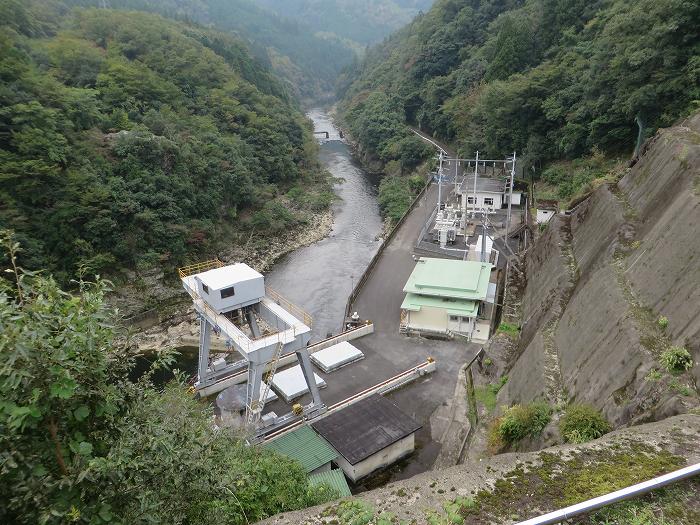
x,y
320,277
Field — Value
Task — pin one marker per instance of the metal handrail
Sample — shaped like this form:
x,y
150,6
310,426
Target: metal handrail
x,y
199,267
292,308
619,495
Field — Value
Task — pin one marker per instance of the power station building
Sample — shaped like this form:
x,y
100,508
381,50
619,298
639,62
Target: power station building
x,y
445,295
368,435
485,194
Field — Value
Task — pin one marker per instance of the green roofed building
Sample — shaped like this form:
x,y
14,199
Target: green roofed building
x,y
334,479
445,295
307,447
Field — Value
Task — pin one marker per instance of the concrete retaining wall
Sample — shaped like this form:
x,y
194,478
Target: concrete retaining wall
x,y
547,275
664,190
597,284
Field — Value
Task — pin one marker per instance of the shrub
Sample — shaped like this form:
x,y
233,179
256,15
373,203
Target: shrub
x,y
509,329
394,197
486,395
521,421
663,322
82,443
679,388
274,217
654,375
677,359
582,423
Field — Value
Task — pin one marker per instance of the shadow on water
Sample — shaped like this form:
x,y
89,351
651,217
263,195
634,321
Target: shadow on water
x,y
185,361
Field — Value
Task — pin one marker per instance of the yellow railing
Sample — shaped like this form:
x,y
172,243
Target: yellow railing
x,y
289,306
200,267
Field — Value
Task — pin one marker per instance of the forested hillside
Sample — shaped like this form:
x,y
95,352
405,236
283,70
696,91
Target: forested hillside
x,y
554,80
82,443
129,140
308,63
361,21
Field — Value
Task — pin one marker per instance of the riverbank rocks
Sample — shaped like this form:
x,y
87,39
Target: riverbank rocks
x,y
173,323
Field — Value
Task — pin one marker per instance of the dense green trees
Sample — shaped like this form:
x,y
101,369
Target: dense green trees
x,y
127,139
81,443
552,79
307,60
361,21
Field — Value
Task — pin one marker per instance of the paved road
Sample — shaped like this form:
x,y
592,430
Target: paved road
x,y
387,352
380,300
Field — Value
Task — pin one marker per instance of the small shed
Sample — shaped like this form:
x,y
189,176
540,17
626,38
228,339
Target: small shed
x,y
307,447
489,194
368,435
546,209
230,287
335,479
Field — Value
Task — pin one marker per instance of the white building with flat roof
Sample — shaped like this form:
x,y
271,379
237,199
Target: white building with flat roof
x,y
491,194
230,287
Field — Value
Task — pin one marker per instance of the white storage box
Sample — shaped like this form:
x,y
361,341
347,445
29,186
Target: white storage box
x,y
336,356
290,383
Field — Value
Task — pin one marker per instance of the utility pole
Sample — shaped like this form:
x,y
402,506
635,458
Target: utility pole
x,y
440,182
456,168
510,196
476,169
483,238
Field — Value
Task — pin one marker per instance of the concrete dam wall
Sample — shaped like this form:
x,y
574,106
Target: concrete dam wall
x,y
599,280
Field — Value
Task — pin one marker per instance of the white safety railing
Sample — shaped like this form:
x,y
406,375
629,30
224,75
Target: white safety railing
x,y
619,495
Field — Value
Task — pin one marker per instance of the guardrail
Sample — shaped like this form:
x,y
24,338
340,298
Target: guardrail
x,y
619,495
199,267
292,308
382,388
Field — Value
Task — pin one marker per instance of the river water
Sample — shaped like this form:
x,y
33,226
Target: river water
x,y
320,277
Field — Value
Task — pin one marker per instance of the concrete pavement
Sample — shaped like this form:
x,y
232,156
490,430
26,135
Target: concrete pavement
x,y
380,300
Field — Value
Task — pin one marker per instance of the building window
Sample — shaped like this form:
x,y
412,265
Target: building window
x,y
227,292
454,318
205,288
466,319
470,200
488,201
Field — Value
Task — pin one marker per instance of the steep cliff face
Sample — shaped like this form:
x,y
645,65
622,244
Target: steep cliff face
x,y
600,279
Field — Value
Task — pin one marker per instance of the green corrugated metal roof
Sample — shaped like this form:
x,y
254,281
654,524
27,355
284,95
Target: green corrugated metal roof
x,y
304,445
450,278
334,478
463,307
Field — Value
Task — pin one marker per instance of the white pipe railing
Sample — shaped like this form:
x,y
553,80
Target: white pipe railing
x,y
619,495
